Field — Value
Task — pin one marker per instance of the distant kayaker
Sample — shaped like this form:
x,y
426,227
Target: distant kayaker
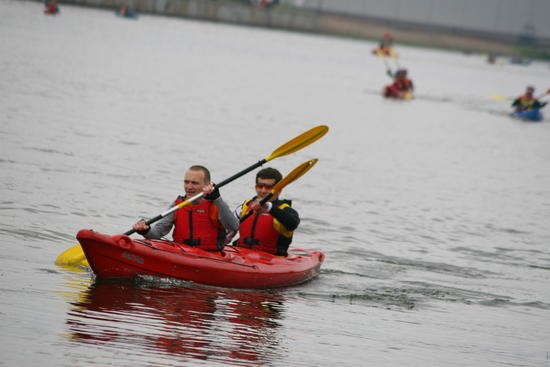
x,y
527,101
270,227
385,46
123,10
401,87
386,41
204,223
51,7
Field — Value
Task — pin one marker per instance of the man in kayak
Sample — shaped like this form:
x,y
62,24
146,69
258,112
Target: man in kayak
x,y
270,227
204,223
401,88
527,101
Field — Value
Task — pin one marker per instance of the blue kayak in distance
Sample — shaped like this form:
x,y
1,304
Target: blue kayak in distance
x,y
127,13
528,115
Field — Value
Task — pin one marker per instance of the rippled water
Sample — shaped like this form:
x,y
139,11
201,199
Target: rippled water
x,y
433,213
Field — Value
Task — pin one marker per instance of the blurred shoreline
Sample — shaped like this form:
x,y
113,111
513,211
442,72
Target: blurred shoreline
x,y
292,18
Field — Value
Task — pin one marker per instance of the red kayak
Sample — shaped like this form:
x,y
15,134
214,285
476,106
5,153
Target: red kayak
x,y
390,92
120,256
51,9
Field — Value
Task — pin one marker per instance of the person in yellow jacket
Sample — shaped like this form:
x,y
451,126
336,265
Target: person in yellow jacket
x,y
527,101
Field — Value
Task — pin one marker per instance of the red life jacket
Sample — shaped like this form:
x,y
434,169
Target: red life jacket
x,y
403,84
261,231
197,225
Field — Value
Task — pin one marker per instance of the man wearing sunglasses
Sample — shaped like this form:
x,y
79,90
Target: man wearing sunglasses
x,y
270,227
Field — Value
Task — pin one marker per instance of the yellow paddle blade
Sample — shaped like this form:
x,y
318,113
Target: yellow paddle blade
x,y
387,52
73,256
294,175
408,95
299,142
498,97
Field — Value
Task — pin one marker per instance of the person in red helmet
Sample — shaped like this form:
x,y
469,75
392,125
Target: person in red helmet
x,y
401,88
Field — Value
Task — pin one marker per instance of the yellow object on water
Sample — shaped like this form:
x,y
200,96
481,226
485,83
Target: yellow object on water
x,y
408,95
498,97
73,256
385,52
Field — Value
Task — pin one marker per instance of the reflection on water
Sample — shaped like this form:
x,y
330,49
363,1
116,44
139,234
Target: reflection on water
x,y
178,321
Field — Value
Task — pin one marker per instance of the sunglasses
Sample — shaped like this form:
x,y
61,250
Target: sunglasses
x,y
264,186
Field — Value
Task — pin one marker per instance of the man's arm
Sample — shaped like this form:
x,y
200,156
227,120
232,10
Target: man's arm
x,y
288,216
539,104
160,228
227,218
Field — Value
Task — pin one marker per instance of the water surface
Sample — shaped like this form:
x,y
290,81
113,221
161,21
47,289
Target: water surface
x,y
432,213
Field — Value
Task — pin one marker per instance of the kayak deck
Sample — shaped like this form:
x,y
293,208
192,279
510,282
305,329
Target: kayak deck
x,y
528,115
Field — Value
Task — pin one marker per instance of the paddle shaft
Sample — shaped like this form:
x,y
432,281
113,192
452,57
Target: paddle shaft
x,y
388,67
242,173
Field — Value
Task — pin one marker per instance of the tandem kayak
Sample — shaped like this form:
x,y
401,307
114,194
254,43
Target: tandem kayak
x,y
528,115
120,256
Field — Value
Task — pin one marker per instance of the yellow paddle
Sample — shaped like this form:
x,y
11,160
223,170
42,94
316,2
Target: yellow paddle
x,y
384,58
295,174
74,256
291,177
499,97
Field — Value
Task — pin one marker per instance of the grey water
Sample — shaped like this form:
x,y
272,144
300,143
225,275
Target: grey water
x,y
433,213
